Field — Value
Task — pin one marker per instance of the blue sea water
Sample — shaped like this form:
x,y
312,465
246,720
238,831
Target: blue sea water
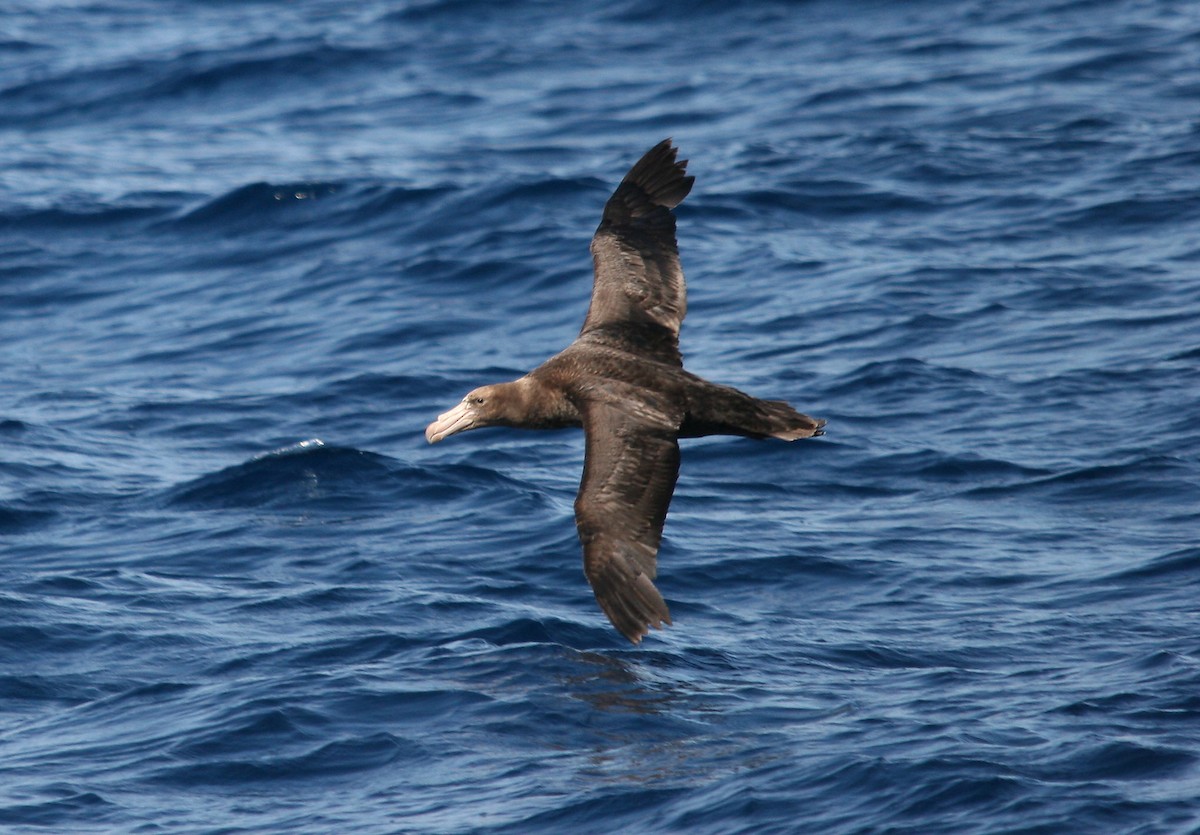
x,y
249,250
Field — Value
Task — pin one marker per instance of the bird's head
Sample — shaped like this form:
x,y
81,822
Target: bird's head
x,y
472,412
503,404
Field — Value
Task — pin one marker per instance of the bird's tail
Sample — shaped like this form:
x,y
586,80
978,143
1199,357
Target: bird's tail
x,y
787,424
723,410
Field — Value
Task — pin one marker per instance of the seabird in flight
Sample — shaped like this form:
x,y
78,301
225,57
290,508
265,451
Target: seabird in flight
x,y
622,380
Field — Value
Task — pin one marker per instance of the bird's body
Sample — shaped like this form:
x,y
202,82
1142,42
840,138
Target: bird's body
x,y
622,380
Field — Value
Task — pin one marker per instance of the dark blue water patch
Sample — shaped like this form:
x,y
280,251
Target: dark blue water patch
x,y
1150,166
63,584
929,467
613,805
186,80
1127,482
972,468
1097,67
342,758
189,419
391,703
536,197
21,45
479,275
943,46
362,649
65,810
1132,213
274,65
1177,566
75,218
1105,705
58,638
318,601
308,474
45,506
982,791
36,290
1098,286
262,212
313,477
689,579
257,724
818,201
24,691
380,391
299,218
1121,760
909,385
380,207
1189,354
244,335
395,201
17,520
254,206
553,631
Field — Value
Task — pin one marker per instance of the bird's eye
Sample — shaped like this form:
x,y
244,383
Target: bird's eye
x,y
476,399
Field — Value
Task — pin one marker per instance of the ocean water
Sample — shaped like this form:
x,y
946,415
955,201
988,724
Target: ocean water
x,y
249,250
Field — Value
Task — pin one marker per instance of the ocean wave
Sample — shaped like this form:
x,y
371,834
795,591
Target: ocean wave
x,y
1118,760
1145,479
64,810
239,77
345,756
1134,212
305,474
70,218
1176,564
256,205
834,200
904,383
17,520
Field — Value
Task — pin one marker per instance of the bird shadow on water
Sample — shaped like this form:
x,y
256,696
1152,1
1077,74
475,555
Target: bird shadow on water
x,y
614,685
636,724
641,724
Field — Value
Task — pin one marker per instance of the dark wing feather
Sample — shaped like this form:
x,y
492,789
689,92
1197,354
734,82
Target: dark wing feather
x,y
639,290
629,473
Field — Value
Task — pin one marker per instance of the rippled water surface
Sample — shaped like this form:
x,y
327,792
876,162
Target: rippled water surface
x,y
249,250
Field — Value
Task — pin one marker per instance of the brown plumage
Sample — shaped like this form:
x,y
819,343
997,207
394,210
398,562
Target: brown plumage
x,y
623,381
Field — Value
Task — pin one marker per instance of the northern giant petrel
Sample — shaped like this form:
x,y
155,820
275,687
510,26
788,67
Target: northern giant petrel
x,y
623,381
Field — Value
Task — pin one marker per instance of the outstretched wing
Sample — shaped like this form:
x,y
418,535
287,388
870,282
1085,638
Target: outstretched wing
x,y
629,472
639,282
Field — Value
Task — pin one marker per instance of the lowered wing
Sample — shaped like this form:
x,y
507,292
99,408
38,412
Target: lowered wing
x,y
629,472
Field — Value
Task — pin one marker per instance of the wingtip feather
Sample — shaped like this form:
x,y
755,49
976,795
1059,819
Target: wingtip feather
x,y
634,607
639,611
660,178
797,433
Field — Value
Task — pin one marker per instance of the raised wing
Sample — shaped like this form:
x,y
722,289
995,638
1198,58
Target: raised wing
x,y
629,472
639,290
